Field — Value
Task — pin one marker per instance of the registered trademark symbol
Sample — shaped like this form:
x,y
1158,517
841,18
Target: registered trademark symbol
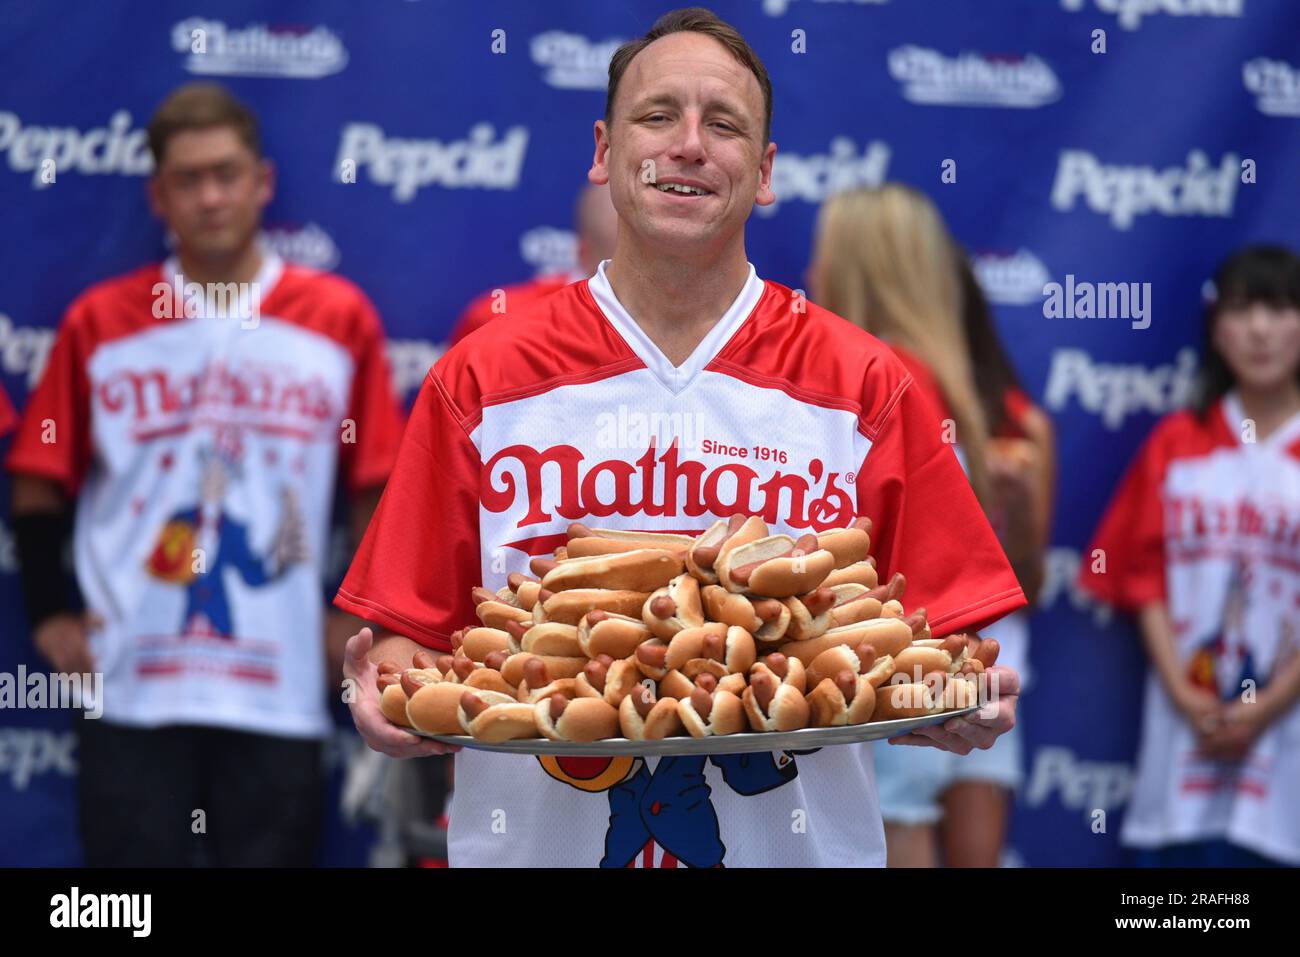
x,y
850,477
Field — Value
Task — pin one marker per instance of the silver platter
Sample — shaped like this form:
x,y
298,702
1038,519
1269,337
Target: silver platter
x,y
800,740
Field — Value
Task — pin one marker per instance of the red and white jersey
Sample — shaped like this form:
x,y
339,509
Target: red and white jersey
x,y
571,414
496,304
1210,524
203,454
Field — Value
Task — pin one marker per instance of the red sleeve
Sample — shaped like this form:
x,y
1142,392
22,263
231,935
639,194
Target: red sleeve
x,y
53,439
476,315
419,558
927,523
8,419
373,408
1125,564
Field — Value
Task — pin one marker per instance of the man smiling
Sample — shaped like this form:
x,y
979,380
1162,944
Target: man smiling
x,y
813,422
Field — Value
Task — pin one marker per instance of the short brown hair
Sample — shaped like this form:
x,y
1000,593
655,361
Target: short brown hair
x,y
693,20
201,106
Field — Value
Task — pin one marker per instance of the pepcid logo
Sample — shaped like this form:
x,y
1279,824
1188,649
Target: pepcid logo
x,y
775,8
549,250
1114,391
24,350
571,61
1084,786
307,245
1131,12
813,177
213,49
973,79
1011,279
480,161
1276,86
1061,583
1122,192
26,753
48,152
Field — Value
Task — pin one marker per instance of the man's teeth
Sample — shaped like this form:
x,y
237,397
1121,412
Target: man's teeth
x,y
679,188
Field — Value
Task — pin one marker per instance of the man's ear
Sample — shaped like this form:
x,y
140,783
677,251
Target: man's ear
x,y
265,188
599,172
153,192
765,196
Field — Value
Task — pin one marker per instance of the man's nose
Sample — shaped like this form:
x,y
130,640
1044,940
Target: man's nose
x,y
688,145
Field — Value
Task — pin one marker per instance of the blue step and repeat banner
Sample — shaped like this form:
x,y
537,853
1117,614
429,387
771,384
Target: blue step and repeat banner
x,y
1086,141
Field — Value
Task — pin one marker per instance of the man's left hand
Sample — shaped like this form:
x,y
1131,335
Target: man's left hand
x,y
979,729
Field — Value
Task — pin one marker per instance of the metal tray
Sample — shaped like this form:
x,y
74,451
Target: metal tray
x,y
722,744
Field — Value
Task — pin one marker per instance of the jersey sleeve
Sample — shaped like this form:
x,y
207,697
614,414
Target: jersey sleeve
x,y
53,439
927,523
373,407
8,418
1124,565
419,558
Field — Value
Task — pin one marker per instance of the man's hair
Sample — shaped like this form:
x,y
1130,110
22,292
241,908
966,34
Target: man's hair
x,y
693,20
201,106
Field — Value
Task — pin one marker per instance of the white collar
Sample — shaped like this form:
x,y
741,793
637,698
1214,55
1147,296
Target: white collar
x,y
675,378
1234,415
268,274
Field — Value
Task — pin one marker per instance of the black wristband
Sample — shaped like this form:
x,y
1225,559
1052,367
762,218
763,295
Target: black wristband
x,y
49,587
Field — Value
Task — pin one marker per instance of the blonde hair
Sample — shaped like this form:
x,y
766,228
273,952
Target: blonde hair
x,y
886,262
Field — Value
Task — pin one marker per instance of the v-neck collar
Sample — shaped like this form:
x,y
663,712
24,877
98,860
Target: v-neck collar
x,y
1234,414
675,378
268,275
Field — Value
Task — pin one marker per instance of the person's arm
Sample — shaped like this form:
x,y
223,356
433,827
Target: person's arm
x,y
1196,704
42,523
1244,720
340,625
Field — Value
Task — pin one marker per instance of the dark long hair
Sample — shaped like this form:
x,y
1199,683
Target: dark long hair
x,y
995,373
1253,274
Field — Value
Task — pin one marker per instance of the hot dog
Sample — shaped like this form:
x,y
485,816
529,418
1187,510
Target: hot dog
x,y
717,540
810,614
859,573
775,567
538,683
606,633
562,718
848,545
643,717
772,704
767,619
494,612
709,711
674,607
887,635
605,678
846,698
861,659
568,607
644,570
512,670
585,542
552,638
488,717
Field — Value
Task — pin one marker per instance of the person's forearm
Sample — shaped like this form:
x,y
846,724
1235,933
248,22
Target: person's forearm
x,y
1283,689
1158,639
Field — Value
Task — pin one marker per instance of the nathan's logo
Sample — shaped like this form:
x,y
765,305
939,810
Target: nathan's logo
x,y
1013,279
1193,525
661,485
408,165
1276,85
260,396
1125,192
814,177
573,62
307,245
1131,12
214,49
549,250
972,79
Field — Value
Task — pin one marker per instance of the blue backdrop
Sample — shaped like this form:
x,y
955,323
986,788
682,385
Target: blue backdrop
x,y
1107,140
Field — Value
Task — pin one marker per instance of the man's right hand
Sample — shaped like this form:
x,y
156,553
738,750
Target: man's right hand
x,y
380,733
64,641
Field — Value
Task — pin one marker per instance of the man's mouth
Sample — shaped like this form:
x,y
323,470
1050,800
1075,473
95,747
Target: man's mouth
x,y
681,189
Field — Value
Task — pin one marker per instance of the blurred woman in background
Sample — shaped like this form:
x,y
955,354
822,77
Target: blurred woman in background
x,y
1202,543
884,260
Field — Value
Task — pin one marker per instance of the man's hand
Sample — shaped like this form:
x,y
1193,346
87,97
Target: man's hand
x,y
1233,732
63,641
980,729
360,680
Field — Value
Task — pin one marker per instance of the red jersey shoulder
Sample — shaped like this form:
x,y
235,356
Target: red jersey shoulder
x,y
559,339
114,307
1186,434
515,296
816,356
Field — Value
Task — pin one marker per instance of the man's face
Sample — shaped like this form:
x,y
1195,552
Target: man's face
x,y
687,113
210,190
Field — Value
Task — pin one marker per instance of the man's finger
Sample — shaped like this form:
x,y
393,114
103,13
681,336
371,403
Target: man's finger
x,y
358,647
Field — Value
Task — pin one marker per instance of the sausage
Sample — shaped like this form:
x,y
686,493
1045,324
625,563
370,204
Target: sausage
x,y
953,644
578,530
458,638
767,608
480,595
764,685
540,565
544,595
597,670
473,705
866,657
806,545
819,601
444,663
558,703
464,667
413,681
702,701
516,630
386,680
535,673
778,664
422,660
594,618
515,580
706,681
663,607
652,654
496,659
715,647
862,522
388,668
847,682
987,653
643,699
916,621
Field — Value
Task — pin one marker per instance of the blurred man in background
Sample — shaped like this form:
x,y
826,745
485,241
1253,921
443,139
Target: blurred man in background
x,y
195,415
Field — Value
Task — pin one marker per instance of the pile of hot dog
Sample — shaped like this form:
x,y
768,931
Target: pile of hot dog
x,y
652,635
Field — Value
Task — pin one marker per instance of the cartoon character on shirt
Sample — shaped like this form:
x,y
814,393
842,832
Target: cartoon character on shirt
x,y
1223,663
198,544
664,817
